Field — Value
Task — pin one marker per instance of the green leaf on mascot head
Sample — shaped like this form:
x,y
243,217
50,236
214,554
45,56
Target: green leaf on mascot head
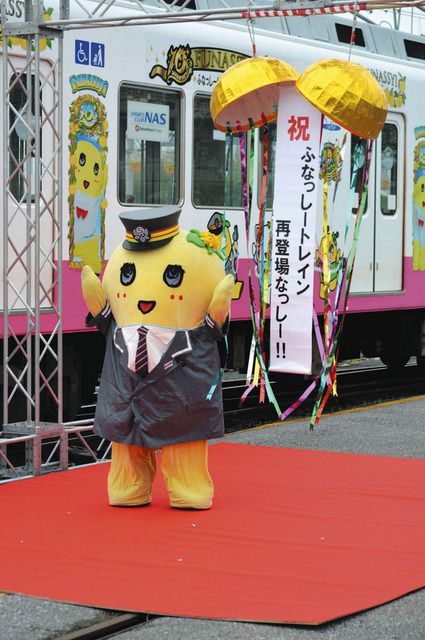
x,y
205,240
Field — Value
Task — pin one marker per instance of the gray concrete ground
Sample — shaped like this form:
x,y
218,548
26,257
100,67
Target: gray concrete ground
x,y
392,429
389,429
401,620
23,618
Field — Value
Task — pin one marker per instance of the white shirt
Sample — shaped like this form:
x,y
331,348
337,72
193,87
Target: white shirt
x,y
157,341
87,227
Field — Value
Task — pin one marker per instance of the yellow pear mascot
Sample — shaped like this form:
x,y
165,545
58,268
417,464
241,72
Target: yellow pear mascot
x,y
163,304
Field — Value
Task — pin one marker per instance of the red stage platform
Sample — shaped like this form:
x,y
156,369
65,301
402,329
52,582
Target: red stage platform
x,y
294,536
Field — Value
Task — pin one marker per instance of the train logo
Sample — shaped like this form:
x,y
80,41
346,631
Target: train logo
x,y
88,177
397,97
394,85
182,61
418,208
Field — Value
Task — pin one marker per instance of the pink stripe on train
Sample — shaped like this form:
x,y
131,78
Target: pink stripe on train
x,y
75,310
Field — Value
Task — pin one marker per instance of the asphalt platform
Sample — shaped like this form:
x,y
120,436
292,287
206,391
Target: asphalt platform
x,y
388,429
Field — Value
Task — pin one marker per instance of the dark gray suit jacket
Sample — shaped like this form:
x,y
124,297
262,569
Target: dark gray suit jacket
x,y
170,404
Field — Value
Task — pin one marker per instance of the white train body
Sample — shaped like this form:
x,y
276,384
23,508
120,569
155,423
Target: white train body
x,y
161,77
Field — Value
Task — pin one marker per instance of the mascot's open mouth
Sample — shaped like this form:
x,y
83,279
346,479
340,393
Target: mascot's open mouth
x,y
146,305
86,184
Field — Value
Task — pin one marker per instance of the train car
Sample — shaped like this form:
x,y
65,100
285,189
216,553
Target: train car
x,y
138,133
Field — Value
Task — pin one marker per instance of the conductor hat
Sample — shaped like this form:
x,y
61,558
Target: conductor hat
x,y
150,228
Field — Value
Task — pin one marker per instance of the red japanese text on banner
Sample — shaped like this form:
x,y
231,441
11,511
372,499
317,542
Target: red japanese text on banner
x,y
293,238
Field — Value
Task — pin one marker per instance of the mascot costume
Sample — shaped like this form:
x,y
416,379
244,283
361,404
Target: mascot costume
x,y
162,305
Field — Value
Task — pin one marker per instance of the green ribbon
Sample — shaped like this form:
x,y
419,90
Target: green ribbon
x,y
349,271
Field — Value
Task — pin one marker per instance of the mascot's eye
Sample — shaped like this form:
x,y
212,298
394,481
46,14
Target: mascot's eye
x,y
128,273
96,169
82,159
422,187
173,275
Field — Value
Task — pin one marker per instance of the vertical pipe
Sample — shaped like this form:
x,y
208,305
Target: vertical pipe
x,y
30,229
37,240
5,221
64,13
59,218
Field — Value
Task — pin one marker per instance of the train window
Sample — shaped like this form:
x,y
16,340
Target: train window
x,y
209,151
18,137
358,157
188,4
344,34
149,145
271,164
415,49
389,169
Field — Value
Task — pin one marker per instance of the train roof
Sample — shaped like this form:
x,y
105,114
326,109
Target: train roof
x,y
336,30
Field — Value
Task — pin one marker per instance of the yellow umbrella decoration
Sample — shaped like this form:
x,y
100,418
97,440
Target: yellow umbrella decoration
x,y
249,91
347,93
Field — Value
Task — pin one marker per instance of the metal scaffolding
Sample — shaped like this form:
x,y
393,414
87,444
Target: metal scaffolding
x,y
32,269
32,195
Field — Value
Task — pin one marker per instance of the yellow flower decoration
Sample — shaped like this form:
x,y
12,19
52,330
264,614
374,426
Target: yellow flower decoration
x,y
205,240
210,240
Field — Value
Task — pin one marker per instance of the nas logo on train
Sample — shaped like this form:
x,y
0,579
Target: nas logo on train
x,y
182,61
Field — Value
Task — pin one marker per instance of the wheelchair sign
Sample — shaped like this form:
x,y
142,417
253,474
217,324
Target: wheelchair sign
x,y
82,52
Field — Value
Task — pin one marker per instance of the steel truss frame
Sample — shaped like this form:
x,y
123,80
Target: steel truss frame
x,y
29,263
32,272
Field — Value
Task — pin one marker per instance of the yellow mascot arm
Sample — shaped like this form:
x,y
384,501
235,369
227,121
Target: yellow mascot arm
x,y
219,308
92,291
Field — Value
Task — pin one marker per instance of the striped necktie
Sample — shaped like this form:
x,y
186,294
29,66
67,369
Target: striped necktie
x,y
141,360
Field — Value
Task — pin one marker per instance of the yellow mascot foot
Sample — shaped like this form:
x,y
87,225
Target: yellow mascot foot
x,y
130,476
190,505
122,504
185,470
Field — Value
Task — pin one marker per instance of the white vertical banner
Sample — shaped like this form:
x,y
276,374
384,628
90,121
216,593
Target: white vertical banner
x,y
293,233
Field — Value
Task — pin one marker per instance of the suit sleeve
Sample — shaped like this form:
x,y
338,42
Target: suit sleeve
x,y
217,332
102,320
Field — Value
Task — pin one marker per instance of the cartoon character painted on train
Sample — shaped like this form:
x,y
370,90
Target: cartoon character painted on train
x,y
329,242
418,205
217,225
88,176
330,170
331,162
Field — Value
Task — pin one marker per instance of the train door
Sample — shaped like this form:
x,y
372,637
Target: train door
x,y
362,281
378,265
389,201
22,180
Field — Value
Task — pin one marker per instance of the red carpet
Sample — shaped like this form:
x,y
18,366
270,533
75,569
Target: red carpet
x,y
294,536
